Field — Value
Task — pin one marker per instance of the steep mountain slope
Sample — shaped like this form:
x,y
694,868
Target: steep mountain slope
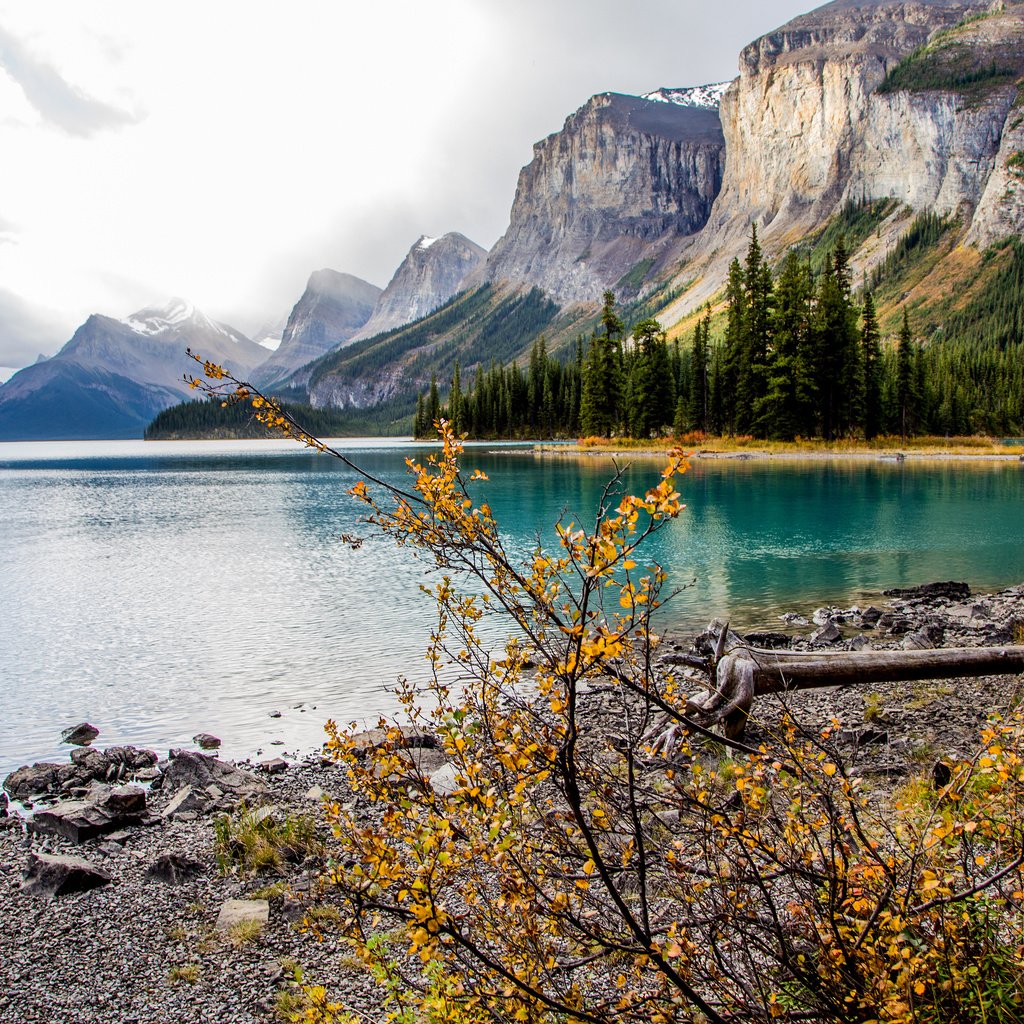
x,y
113,376
332,308
433,270
623,178
476,327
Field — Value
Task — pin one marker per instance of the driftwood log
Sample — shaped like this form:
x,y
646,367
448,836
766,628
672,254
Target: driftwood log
x,y
745,673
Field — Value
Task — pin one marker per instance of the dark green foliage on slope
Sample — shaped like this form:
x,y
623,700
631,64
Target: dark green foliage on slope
x,y
541,399
926,230
208,418
817,366
956,61
474,327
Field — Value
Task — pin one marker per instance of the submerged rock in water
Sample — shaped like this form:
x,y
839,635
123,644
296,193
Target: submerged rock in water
x,y
930,591
80,735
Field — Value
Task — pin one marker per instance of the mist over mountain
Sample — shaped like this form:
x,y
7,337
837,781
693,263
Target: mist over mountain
x,y
331,310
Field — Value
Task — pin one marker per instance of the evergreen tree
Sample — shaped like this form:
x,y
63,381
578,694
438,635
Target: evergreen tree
x,y
699,404
733,366
650,395
456,413
903,392
787,406
871,355
756,335
433,402
601,398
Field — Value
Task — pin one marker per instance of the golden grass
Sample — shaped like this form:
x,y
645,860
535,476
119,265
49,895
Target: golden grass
x,y
700,444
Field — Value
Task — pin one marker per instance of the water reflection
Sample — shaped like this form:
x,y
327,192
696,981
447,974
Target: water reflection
x,y
162,589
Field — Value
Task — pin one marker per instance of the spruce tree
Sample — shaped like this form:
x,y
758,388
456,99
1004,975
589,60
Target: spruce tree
x,y
904,382
871,355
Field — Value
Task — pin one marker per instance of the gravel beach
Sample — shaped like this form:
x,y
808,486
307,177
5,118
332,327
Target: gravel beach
x,y
139,949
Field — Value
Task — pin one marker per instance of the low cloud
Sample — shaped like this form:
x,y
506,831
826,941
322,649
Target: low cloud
x,y
58,102
26,331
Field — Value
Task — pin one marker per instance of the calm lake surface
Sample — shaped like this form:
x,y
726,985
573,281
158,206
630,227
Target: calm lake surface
x,y
159,589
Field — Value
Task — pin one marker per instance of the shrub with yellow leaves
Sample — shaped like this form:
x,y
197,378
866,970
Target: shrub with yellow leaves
x,y
577,872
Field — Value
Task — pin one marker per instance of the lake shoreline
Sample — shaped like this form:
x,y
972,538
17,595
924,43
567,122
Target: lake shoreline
x,y
142,948
755,454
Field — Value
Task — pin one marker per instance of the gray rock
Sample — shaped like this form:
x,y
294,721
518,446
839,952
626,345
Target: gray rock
x,y
51,875
80,735
794,619
828,634
76,820
186,800
408,739
3,804
173,869
442,781
206,741
859,642
919,640
241,911
869,617
314,793
126,802
275,766
32,779
189,768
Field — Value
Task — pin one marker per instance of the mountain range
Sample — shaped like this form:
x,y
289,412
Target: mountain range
x,y
915,102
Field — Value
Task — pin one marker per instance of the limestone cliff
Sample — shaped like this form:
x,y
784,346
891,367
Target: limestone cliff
x,y
878,98
332,308
624,178
431,273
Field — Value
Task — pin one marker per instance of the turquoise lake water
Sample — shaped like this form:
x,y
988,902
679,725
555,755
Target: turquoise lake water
x,y
164,588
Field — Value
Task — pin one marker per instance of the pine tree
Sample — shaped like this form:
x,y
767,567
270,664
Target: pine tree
x,y
700,398
601,400
455,405
904,384
734,357
433,402
871,354
787,407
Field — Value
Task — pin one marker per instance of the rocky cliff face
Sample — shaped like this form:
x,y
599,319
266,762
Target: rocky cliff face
x,y
433,270
332,308
623,179
806,126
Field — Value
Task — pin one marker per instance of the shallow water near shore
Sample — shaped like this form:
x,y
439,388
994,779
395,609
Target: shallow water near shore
x,y
165,588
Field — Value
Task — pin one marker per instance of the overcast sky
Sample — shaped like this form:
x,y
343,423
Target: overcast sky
x,y
221,151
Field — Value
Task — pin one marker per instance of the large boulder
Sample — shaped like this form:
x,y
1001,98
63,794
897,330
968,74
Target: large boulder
x,y
202,771
78,820
32,779
52,875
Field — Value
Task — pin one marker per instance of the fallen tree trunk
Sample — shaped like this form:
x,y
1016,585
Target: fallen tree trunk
x,y
746,673
775,675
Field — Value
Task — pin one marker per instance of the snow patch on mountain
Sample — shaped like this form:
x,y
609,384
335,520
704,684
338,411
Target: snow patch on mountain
x,y
707,96
425,242
174,316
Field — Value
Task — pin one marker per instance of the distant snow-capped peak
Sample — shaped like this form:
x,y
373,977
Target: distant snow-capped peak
x,y
707,96
425,242
172,316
